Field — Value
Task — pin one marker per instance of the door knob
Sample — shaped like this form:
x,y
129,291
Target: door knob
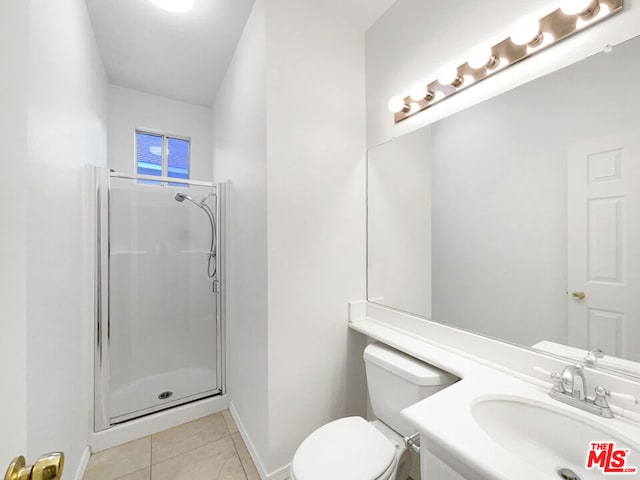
x,y
578,295
16,465
48,467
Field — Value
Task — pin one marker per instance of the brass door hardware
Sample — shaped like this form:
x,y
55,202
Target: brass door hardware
x,y
578,295
48,467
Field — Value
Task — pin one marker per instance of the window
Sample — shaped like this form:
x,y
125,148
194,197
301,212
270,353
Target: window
x,y
161,155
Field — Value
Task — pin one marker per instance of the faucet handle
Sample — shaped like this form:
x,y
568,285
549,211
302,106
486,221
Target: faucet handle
x,y
601,397
602,393
556,377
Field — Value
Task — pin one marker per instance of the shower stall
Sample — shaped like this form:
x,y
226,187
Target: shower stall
x,y
159,329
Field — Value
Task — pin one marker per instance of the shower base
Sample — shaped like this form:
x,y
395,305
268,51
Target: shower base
x,y
157,392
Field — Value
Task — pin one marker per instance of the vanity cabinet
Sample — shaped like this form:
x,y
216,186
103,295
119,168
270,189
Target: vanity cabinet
x,y
433,468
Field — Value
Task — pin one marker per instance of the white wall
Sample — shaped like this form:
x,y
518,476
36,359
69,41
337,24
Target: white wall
x,y
316,219
13,245
66,129
415,38
294,158
239,126
131,109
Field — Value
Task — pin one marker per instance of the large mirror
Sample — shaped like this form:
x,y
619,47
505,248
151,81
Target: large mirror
x,y
519,218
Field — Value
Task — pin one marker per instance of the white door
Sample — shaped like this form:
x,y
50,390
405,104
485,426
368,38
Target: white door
x,y
604,245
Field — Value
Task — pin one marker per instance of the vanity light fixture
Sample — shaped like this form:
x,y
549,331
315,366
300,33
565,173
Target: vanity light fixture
x,y
526,31
482,57
529,36
585,9
449,76
397,105
420,91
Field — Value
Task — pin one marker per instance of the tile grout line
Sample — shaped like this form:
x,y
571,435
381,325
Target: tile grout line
x,y
190,450
135,471
226,434
151,457
246,475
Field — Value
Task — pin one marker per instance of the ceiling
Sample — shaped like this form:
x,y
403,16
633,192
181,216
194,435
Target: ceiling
x,y
180,56
185,56
360,13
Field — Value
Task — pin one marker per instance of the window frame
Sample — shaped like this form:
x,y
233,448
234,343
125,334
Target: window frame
x,y
164,171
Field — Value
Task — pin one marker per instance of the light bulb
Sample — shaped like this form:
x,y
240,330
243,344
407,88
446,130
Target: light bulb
x,y
174,6
579,7
418,91
396,104
448,75
482,56
526,31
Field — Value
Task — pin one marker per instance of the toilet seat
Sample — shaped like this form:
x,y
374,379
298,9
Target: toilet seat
x,y
345,449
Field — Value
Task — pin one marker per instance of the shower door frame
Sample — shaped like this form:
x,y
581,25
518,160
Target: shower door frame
x,y
101,192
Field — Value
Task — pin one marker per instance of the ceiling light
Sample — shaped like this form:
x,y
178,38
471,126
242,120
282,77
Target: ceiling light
x,y
174,6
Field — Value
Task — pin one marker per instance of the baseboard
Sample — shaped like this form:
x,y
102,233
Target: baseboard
x,y
280,474
84,461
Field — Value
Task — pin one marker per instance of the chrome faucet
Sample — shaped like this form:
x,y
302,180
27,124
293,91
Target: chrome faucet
x,y
570,387
574,382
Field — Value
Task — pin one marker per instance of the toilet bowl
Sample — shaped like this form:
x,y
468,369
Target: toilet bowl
x,y
353,448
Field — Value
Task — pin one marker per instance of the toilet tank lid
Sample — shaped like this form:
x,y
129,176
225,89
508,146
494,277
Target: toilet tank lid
x,y
409,368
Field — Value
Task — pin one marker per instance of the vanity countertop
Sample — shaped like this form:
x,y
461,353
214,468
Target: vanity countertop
x,y
449,429
445,420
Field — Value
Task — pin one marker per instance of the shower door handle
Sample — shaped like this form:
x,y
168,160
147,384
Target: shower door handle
x,y
216,287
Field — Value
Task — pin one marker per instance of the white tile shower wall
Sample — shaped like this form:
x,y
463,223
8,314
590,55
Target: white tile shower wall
x,y
13,212
414,38
239,129
130,109
67,109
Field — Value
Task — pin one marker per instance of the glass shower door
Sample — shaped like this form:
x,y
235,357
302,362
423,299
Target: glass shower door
x,y
163,324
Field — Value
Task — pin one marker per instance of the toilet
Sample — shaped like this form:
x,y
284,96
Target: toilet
x,y
354,449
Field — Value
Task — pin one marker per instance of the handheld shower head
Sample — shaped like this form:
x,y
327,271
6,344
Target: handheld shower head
x,y
211,263
180,197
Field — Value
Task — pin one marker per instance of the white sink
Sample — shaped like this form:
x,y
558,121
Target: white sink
x,y
546,438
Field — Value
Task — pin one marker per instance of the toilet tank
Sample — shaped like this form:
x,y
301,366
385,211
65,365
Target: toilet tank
x,y
396,381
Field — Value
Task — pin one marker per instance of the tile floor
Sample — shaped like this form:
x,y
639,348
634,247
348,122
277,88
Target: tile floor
x,y
210,448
